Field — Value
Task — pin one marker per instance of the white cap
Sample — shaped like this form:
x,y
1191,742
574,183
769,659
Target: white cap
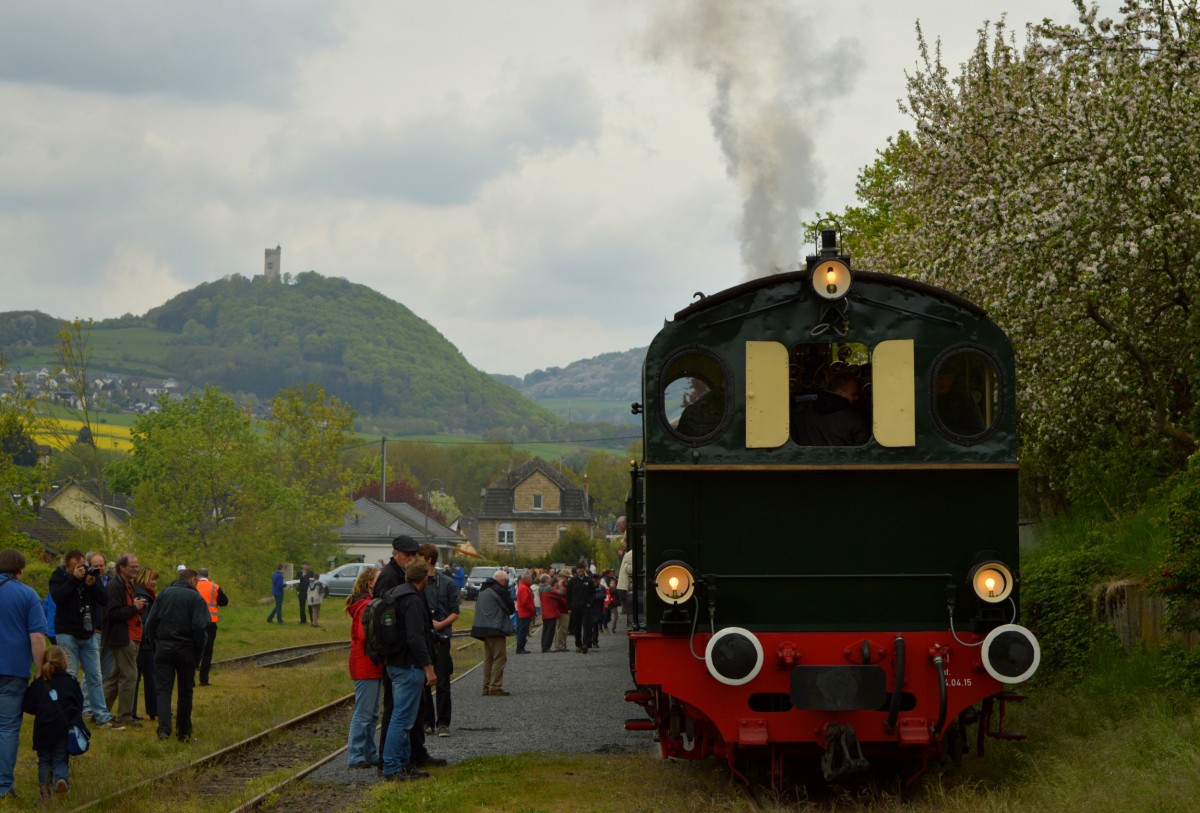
x,y
181,567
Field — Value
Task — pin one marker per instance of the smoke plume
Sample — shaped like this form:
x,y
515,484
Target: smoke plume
x,y
774,77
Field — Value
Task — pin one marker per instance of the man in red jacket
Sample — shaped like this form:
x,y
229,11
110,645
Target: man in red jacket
x,y
526,610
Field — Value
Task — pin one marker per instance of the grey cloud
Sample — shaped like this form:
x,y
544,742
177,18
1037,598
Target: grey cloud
x,y
215,51
445,157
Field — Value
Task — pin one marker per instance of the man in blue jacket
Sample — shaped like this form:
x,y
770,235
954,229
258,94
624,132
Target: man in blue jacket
x,y
277,594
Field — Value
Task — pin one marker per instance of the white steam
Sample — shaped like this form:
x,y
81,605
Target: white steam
x,y
774,77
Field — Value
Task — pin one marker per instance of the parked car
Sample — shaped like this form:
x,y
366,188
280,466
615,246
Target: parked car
x,y
475,580
340,580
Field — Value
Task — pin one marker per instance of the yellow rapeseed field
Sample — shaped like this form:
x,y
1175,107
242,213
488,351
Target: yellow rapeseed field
x,y
106,435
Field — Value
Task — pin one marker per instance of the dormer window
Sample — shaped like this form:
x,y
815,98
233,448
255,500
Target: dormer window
x,y
537,502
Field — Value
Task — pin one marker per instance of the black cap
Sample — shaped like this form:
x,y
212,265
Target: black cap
x,y
405,544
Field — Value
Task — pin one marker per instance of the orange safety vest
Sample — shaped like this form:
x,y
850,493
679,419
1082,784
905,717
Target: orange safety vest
x,y
208,590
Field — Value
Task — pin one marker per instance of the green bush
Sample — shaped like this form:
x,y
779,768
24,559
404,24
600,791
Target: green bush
x,y
1178,580
1057,594
1180,667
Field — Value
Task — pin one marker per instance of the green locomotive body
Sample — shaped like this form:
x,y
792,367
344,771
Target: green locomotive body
x,y
828,512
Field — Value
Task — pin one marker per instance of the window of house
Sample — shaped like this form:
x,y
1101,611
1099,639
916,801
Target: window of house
x,y
506,536
537,502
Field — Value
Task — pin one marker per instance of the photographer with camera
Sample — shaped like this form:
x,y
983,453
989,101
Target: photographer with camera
x,y
80,598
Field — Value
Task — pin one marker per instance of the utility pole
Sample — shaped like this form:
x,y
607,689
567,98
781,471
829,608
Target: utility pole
x,y
383,469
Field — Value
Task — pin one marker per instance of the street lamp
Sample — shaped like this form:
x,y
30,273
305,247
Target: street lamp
x,y
441,493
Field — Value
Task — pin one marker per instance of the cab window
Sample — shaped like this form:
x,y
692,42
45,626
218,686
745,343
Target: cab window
x,y
694,389
830,387
965,394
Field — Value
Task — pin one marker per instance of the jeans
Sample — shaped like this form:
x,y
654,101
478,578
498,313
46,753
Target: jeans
x,y
360,747
54,764
12,696
277,613
408,685
85,652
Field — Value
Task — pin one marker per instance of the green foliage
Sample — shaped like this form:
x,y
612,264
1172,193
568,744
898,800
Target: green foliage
x,y
260,337
1055,183
571,548
195,464
1179,667
1179,578
1114,473
1058,605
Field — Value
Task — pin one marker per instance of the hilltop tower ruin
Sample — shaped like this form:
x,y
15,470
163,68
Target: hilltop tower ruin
x,y
272,263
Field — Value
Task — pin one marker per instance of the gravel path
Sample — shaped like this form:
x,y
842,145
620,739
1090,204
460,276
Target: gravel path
x,y
585,695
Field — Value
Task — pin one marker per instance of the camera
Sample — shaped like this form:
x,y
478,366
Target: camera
x,y
94,572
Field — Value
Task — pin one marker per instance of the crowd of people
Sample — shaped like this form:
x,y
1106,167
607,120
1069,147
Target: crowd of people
x,y
101,630
104,628
410,678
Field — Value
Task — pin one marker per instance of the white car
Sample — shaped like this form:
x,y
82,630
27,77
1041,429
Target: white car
x,y
340,580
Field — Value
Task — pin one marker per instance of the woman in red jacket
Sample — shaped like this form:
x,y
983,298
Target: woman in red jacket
x,y
361,749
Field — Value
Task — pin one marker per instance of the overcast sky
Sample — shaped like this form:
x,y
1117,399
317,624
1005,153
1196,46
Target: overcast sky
x,y
541,181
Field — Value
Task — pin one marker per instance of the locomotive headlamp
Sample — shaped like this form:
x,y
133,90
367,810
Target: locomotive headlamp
x,y
992,582
674,582
831,279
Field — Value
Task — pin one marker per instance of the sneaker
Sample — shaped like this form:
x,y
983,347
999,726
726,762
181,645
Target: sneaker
x,y
429,762
410,772
428,729
111,725
61,789
498,693
164,735
443,731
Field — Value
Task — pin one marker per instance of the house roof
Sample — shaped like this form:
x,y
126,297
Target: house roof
x,y
383,521
498,497
91,488
51,529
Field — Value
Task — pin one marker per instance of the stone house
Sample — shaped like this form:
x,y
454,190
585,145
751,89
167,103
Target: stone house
x,y
525,512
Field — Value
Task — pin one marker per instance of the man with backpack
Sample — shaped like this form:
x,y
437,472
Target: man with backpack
x,y
410,671
404,554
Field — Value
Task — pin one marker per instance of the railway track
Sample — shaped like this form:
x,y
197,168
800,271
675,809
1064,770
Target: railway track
x,y
231,767
284,656
293,655
294,749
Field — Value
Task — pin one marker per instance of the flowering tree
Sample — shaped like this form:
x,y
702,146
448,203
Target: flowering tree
x,y
1058,184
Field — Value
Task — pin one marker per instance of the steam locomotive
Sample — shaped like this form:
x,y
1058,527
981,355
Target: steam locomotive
x,y
825,525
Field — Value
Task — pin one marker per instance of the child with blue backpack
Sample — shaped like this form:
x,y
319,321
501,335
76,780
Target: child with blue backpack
x,y
56,703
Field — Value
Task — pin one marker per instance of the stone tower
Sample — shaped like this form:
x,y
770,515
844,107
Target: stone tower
x,y
271,265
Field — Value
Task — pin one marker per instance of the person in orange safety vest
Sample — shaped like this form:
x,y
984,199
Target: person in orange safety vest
x,y
214,597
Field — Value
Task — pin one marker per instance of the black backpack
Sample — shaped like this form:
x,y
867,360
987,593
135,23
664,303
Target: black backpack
x,y
383,630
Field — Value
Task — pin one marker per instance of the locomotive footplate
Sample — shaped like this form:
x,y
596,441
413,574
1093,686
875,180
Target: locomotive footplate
x,y
839,688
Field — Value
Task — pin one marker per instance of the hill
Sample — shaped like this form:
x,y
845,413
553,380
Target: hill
x,y
257,337
597,389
